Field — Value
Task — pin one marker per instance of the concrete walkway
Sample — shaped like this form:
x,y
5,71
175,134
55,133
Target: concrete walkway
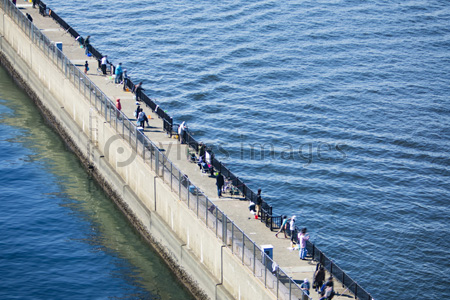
x,y
236,209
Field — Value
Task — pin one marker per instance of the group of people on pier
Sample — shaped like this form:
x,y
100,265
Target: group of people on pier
x,y
288,227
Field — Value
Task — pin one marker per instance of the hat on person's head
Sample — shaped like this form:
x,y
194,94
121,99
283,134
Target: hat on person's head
x,y
293,217
118,99
306,280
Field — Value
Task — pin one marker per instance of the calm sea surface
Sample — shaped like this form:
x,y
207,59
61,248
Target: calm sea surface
x,y
61,237
340,110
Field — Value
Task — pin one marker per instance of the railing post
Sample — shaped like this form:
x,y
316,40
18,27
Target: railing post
x,y
224,229
197,201
106,107
171,188
156,162
137,134
254,258
179,184
243,246
206,208
188,184
152,154
290,288
163,166
217,222
123,128
278,281
232,237
265,269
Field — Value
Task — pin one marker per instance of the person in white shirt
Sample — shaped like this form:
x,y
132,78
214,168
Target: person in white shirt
x,y
292,230
104,62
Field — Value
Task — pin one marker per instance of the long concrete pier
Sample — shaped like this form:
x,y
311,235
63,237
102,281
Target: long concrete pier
x,y
210,250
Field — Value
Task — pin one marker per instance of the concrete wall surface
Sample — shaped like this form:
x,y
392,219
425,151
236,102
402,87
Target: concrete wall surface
x,y
208,268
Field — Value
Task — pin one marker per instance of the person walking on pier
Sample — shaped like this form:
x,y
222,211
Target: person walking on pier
x,y
86,67
283,227
303,237
220,181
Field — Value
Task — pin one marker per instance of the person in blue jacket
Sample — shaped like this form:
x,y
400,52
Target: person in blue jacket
x,y
119,73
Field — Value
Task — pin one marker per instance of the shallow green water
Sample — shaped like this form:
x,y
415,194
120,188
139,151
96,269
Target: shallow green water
x,y
61,237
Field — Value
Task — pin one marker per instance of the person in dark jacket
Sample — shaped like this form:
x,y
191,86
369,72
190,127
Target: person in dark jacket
x,y
86,45
138,90
319,277
220,181
258,203
327,290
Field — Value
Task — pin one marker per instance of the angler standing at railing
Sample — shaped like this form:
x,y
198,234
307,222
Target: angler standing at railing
x,y
302,238
86,45
118,72
125,79
104,62
258,203
202,151
182,132
137,90
292,231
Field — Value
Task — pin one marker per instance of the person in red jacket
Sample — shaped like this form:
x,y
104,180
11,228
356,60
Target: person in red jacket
x,y
119,107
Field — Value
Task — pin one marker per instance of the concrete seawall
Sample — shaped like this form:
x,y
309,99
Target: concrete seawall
x,y
195,253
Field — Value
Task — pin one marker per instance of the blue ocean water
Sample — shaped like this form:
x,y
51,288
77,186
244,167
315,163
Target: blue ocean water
x,y
338,109
61,237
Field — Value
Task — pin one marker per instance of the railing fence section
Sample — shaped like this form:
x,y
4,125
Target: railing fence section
x,y
256,260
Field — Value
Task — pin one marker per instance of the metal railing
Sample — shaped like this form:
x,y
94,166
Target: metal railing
x,y
251,256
